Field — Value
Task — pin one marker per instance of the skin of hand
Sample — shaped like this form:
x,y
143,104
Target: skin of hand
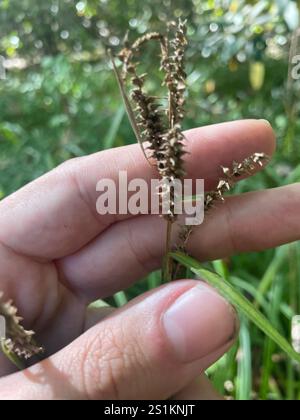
x,y
57,255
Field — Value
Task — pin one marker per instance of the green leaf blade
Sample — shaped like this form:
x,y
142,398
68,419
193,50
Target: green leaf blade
x,y
239,301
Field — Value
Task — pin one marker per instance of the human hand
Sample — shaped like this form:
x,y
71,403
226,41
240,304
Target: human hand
x,y
57,255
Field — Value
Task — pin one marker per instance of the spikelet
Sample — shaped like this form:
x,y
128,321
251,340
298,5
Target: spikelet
x,y
146,38
225,184
165,138
170,165
170,154
128,53
162,129
147,113
230,177
173,64
18,341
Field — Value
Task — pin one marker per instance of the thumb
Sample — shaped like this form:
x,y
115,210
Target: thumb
x,y
150,349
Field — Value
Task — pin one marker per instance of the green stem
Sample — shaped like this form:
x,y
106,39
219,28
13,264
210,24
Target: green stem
x,y
12,357
168,260
154,280
120,299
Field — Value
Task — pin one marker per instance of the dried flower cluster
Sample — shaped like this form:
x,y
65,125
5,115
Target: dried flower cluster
x,y
147,114
173,63
226,183
165,138
231,176
161,129
19,341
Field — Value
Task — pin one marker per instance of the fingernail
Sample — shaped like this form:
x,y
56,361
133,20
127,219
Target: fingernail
x,y
199,323
266,122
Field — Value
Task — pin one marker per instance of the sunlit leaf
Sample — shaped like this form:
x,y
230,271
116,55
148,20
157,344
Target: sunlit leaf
x,y
291,15
257,75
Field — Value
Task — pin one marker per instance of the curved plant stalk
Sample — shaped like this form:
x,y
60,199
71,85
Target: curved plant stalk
x,y
168,261
162,133
127,104
173,56
16,360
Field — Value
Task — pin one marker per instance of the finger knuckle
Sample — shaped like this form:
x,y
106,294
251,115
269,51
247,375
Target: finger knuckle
x,y
69,164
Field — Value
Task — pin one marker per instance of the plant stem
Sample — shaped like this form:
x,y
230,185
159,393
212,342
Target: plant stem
x,y
12,357
127,104
154,280
120,299
168,261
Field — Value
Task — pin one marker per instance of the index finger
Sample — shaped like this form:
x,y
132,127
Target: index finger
x,y
56,215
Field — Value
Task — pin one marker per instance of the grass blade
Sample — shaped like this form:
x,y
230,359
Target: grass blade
x,y
244,378
109,139
275,299
128,106
239,301
120,299
221,268
154,280
222,372
270,274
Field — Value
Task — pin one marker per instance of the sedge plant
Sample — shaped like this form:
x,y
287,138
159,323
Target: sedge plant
x,y
158,129
157,123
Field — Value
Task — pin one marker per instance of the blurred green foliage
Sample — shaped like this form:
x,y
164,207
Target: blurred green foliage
x,y
60,100
60,93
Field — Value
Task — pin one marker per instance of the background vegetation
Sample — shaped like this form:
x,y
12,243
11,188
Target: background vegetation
x,y
60,100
